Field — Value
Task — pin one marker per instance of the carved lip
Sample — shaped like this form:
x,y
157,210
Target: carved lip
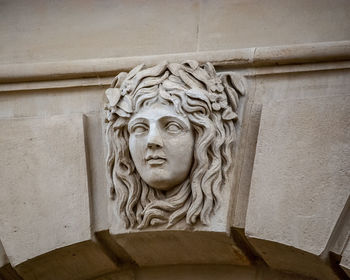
x,y
155,160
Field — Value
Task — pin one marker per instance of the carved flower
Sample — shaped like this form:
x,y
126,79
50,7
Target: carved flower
x,y
216,85
125,90
218,101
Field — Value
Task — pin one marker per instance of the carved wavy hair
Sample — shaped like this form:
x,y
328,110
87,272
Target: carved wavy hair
x,y
210,103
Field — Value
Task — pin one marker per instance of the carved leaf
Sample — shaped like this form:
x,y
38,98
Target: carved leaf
x,y
134,71
238,83
228,114
118,80
113,95
150,81
174,68
125,104
151,72
192,63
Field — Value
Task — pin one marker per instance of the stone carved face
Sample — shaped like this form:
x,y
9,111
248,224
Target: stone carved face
x,y
170,135
161,145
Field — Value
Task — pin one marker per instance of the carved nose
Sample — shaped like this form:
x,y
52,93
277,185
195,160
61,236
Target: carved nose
x,y
154,138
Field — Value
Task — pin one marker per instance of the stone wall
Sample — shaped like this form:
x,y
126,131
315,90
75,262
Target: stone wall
x,y
289,212
43,31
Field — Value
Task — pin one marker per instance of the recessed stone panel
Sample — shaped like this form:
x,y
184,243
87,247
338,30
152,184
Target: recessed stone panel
x,y
45,199
300,181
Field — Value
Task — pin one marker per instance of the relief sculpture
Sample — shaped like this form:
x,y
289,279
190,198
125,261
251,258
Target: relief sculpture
x,y
171,137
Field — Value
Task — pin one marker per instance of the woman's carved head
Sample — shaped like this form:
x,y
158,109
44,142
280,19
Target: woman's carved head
x,y
170,135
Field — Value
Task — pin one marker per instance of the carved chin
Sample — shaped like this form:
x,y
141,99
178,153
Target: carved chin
x,y
163,182
161,185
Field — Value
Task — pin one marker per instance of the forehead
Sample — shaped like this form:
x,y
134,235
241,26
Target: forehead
x,y
158,111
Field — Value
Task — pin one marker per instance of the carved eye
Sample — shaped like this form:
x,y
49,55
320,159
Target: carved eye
x,y
173,127
139,128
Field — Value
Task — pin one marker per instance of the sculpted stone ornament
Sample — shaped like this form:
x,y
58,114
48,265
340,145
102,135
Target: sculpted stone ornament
x,y
171,136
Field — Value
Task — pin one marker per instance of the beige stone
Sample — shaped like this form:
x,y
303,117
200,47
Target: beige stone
x,y
97,175
49,65
26,30
194,272
44,179
50,102
171,173
64,30
168,163
88,72
45,103
277,84
226,24
300,178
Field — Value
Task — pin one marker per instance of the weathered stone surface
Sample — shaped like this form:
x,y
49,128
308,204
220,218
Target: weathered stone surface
x,y
300,181
26,29
95,29
181,247
97,174
171,133
3,257
8,273
345,260
209,272
241,24
45,201
85,260
287,258
269,87
51,102
122,275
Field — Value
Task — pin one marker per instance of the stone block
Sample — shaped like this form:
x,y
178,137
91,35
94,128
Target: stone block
x,y
181,247
95,30
95,151
182,243
122,275
3,257
45,197
226,24
85,260
197,272
345,260
171,166
300,181
209,272
51,102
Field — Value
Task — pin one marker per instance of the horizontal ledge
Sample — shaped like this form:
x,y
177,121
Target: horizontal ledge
x,y
260,56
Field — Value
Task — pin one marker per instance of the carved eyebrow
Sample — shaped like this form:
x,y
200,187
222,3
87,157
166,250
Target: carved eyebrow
x,y
135,121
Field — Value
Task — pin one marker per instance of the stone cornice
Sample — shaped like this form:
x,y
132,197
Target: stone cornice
x,y
107,67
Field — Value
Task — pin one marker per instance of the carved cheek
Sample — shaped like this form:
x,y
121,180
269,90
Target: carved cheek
x,y
137,147
181,148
